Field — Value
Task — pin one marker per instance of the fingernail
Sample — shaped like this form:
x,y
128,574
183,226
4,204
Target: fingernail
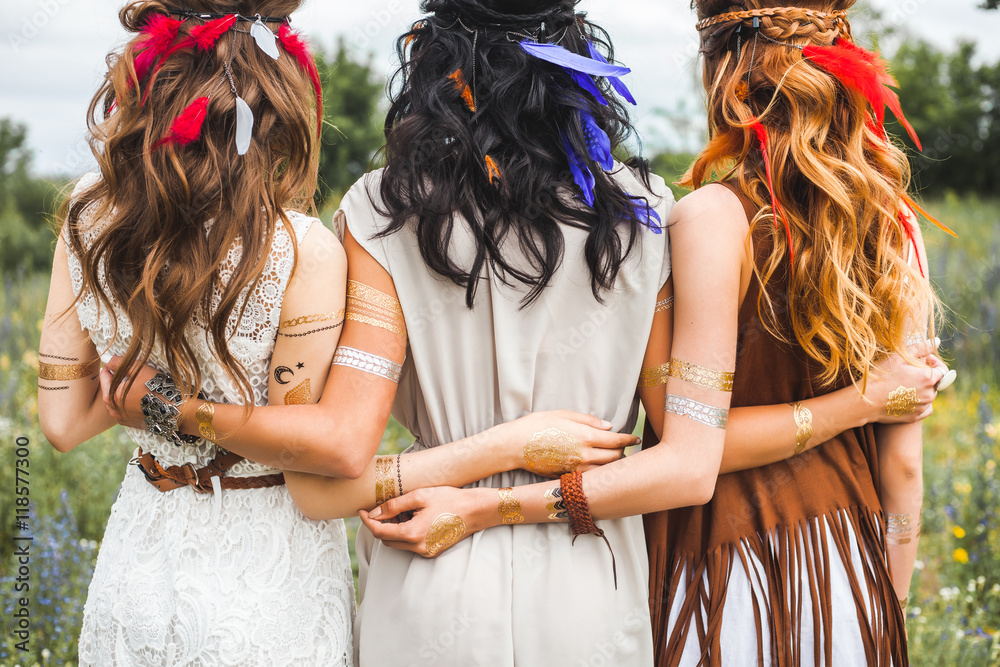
x,y
375,513
606,424
937,342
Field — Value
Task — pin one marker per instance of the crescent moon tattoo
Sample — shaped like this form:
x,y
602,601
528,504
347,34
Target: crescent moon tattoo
x,y
281,370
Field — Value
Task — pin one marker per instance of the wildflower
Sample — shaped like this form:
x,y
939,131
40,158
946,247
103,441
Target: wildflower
x,y
961,555
959,532
991,465
4,362
963,487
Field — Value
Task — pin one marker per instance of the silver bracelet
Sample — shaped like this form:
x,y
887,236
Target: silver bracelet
x,y
699,412
369,363
161,416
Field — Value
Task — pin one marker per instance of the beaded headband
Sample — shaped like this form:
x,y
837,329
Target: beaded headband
x,y
838,17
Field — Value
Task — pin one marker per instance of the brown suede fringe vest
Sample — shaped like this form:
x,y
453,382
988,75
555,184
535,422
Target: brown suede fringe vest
x,y
758,519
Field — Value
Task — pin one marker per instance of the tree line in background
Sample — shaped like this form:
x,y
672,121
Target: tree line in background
x,y
952,102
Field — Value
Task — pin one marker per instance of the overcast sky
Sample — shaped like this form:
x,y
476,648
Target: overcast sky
x,y
52,54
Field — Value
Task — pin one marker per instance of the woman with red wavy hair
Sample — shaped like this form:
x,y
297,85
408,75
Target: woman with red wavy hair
x,y
805,561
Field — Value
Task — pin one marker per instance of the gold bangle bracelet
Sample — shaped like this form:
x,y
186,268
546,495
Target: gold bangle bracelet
x,y
205,414
64,372
804,422
509,508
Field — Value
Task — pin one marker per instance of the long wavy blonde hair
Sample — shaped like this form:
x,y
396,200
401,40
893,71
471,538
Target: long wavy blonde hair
x,y
852,295
174,215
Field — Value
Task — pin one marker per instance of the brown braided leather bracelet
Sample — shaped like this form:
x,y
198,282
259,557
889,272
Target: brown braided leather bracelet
x,y
581,521
176,477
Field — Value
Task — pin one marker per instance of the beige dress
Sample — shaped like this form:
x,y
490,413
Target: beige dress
x,y
512,595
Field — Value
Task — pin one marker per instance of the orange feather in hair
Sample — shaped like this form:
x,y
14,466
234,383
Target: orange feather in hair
x,y
762,140
463,87
492,169
864,72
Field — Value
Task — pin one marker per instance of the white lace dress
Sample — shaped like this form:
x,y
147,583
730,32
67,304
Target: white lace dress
x,y
238,577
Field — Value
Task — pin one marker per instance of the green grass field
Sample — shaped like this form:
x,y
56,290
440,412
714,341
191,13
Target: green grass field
x,y
955,604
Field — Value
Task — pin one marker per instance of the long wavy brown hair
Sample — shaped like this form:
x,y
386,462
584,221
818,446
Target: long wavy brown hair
x,y
170,217
851,296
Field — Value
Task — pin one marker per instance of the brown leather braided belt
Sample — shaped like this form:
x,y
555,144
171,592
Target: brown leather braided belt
x,y
176,477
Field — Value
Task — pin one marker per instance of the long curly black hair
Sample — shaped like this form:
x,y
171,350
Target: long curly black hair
x,y
436,147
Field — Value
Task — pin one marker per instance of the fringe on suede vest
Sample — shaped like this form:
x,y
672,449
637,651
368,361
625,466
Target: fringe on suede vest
x,y
758,520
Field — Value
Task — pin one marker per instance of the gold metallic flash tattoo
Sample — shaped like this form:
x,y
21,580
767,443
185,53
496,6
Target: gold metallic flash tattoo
x,y
300,394
556,506
666,304
900,528
444,532
369,306
551,453
312,319
902,401
63,372
699,375
509,508
653,377
804,423
204,416
385,483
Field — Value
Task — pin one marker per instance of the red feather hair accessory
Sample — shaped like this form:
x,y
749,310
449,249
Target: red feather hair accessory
x,y
762,140
297,47
863,72
157,38
186,128
203,37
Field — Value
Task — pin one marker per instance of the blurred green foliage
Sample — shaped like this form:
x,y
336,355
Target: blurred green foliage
x,y
352,132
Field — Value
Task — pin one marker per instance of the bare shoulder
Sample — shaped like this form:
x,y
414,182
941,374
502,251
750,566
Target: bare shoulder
x,y
321,244
714,205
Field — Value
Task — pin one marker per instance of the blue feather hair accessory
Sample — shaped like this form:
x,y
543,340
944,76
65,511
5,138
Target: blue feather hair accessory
x,y
582,69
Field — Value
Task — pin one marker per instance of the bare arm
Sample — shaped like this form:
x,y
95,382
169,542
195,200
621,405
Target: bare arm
x,y
70,408
708,233
761,435
338,436
901,484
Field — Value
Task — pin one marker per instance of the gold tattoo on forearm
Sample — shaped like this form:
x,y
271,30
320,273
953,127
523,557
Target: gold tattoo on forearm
x,y
300,394
556,506
370,306
699,375
654,377
551,453
509,508
204,416
901,529
312,319
385,482
804,423
64,372
445,531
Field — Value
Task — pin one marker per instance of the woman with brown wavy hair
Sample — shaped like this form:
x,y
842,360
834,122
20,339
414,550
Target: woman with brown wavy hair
x,y
181,252
805,561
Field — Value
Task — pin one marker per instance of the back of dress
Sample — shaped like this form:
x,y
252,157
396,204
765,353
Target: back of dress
x,y
470,369
223,566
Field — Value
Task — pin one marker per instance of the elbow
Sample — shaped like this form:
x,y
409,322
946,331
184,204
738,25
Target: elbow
x,y
59,436
701,488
